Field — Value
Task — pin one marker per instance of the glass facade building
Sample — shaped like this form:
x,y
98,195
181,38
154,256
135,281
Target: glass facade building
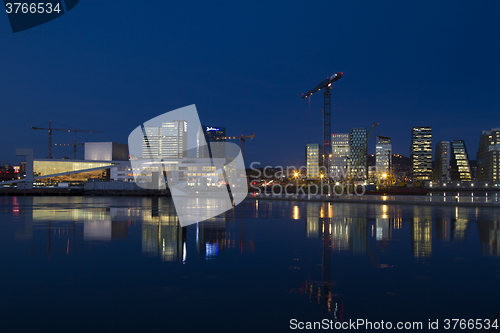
x,y
421,153
166,142
73,170
314,160
488,156
383,157
358,167
174,139
151,143
340,155
442,161
459,163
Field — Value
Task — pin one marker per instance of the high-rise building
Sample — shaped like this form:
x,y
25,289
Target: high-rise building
x,y
459,164
358,167
165,142
340,155
421,153
151,142
442,159
212,135
383,160
173,139
314,160
488,156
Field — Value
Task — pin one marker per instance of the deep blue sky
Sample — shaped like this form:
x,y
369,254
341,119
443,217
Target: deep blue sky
x,y
111,65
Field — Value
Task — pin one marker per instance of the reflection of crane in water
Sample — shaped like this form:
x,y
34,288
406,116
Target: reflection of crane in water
x,y
322,291
336,234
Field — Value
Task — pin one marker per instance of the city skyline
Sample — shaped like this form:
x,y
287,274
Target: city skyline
x,y
402,64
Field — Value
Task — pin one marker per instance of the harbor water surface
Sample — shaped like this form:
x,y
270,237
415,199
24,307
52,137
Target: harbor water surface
x,y
92,264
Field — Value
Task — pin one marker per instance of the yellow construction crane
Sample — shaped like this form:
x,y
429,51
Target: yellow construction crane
x,y
50,129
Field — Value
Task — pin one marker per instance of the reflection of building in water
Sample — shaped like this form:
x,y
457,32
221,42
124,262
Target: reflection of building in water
x,y
312,219
162,234
459,229
340,234
358,230
421,237
383,231
344,233
97,230
98,223
489,235
211,237
443,229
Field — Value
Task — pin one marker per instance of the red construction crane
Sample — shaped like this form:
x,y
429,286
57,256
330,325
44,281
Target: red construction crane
x,y
50,129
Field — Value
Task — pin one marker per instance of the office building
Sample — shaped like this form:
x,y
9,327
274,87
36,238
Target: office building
x,y
442,161
151,142
173,139
421,153
358,167
488,156
212,136
166,142
383,160
459,163
314,160
340,155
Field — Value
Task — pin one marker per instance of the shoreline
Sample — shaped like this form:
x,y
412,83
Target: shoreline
x,y
425,200
491,201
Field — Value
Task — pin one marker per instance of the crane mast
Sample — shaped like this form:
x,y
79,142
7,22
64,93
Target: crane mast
x,y
74,144
50,129
327,116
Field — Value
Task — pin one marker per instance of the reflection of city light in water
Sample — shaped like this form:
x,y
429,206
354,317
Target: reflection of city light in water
x,y
296,213
212,250
184,253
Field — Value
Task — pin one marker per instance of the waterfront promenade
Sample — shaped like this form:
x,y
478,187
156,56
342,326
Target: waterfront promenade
x,y
433,200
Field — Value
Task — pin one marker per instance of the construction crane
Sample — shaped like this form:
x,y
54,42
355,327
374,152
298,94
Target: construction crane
x,y
362,151
242,138
50,129
327,118
74,144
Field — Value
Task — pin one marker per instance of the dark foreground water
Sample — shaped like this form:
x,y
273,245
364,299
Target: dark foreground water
x,y
124,265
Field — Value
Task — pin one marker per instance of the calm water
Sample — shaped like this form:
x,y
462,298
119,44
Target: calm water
x,y
123,264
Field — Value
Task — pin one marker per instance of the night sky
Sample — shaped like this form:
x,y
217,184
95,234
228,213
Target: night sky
x,y
110,67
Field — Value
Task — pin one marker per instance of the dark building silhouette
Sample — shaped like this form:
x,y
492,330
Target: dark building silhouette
x,y
442,161
212,135
488,156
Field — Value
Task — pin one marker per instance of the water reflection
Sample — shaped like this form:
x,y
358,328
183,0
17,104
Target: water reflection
x,y
331,257
421,237
489,235
349,228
